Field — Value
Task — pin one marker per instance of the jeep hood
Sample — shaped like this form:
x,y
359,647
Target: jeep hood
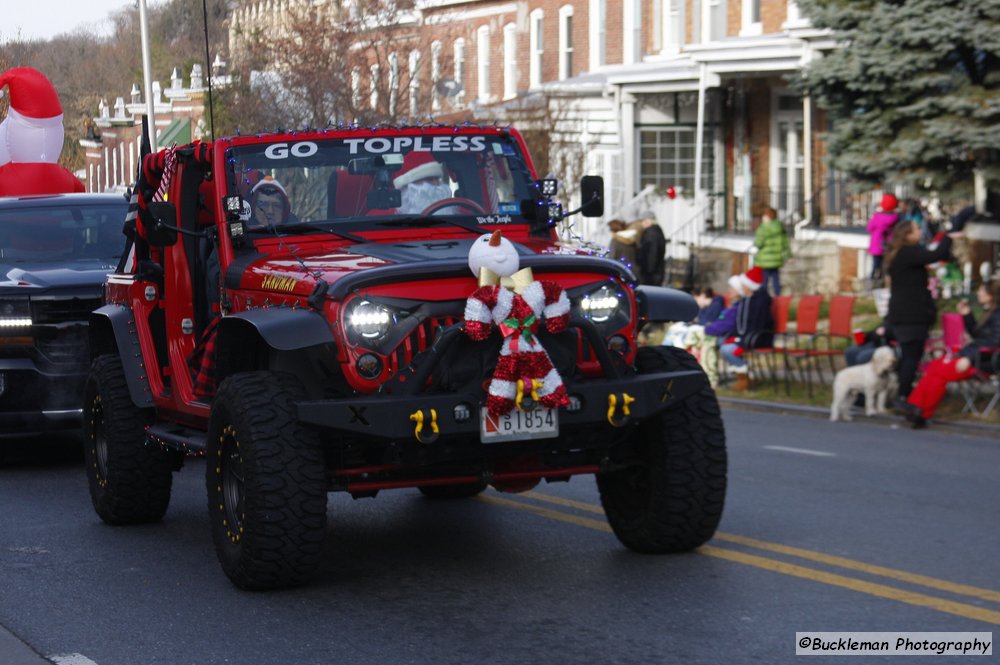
x,y
346,268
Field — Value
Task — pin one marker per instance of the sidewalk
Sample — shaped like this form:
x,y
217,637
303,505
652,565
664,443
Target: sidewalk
x,y
983,429
15,652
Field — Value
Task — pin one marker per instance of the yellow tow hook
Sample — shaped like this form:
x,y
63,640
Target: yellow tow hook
x,y
418,418
613,405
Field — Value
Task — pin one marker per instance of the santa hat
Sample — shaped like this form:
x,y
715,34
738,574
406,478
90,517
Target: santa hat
x,y
889,203
417,166
749,281
33,128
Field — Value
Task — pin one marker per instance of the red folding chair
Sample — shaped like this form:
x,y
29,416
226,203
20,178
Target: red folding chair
x,y
841,315
780,309
799,344
986,365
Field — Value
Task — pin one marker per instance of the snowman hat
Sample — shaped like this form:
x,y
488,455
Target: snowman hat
x,y
31,93
33,128
418,165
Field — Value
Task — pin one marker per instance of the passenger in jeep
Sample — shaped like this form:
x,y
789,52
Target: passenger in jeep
x,y
270,203
423,181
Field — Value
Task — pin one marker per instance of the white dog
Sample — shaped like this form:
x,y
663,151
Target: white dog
x,y
876,379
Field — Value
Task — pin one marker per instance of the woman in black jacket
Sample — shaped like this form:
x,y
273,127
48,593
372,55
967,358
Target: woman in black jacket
x,y
911,308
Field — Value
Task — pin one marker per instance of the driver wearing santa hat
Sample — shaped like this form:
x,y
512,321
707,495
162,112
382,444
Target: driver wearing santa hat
x,y
31,137
423,181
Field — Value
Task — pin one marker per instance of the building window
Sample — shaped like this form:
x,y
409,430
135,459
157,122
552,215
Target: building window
x,y
666,158
483,62
459,68
356,88
509,61
393,83
435,75
751,24
632,32
598,20
537,49
673,26
414,83
565,42
713,20
373,87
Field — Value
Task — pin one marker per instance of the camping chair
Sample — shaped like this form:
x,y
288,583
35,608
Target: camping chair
x,y
761,360
986,366
799,344
841,313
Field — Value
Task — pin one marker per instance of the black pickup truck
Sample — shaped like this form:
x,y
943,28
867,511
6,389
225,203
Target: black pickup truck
x,y
55,252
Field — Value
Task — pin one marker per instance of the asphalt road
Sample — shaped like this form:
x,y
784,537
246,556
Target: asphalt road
x,y
828,527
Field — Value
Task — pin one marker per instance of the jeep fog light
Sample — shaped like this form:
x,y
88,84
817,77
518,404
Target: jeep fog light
x,y
369,366
370,320
600,305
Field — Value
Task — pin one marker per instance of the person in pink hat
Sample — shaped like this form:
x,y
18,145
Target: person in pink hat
x,y
879,227
31,137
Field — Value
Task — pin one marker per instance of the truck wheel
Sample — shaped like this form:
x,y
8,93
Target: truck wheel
x,y
266,483
452,491
129,479
671,499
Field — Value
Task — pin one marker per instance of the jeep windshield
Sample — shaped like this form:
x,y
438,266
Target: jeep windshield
x,y
62,232
462,179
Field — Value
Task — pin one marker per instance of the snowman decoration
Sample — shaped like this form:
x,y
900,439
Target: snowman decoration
x,y
31,137
512,300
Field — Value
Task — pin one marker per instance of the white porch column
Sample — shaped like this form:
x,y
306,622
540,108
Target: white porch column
x,y
699,139
629,149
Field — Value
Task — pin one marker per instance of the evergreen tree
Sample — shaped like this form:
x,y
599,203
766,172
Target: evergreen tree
x,y
913,89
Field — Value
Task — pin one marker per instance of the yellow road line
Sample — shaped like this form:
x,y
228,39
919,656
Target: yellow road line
x,y
862,586
811,555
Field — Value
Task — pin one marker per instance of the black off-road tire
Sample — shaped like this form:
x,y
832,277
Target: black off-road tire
x,y
672,500
129,479
266,483
452,491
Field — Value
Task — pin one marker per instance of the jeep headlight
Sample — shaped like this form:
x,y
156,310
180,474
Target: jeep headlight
x,y
370,320
600,305
15,317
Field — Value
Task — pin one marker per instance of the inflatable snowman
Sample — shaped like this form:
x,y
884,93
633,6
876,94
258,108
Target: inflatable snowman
x,y
31,137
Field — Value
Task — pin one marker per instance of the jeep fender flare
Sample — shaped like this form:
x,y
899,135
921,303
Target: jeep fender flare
x,y
661,304
112,330
248,337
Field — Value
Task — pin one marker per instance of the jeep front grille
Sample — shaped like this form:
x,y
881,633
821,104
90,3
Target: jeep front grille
x,y
417,341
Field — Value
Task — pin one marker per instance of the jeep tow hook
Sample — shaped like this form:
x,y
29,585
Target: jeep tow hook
x,y
621,420
418,431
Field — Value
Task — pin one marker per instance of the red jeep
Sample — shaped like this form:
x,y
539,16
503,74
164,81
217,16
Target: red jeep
x,y
294,311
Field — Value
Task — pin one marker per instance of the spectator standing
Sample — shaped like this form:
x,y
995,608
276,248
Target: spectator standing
x,y
879,227
652,250
773,248
931,388
624,242
911,307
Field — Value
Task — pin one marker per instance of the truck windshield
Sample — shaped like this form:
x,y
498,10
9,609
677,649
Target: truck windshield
x,y
479,176
64,231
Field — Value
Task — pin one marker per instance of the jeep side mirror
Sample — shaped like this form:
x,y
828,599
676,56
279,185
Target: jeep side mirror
x,y
592,196
160,229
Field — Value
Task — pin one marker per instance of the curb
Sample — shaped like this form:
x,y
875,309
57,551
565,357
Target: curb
x,y
13,651
970,428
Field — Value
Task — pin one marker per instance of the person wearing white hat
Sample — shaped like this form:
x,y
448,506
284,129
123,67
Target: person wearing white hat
x,y
269,202
31,137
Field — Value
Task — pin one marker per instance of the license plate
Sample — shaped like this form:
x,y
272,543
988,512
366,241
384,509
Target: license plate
x,y
519,425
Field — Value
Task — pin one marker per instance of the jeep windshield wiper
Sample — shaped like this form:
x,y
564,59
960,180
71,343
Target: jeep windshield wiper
x,y
284,228
424,220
